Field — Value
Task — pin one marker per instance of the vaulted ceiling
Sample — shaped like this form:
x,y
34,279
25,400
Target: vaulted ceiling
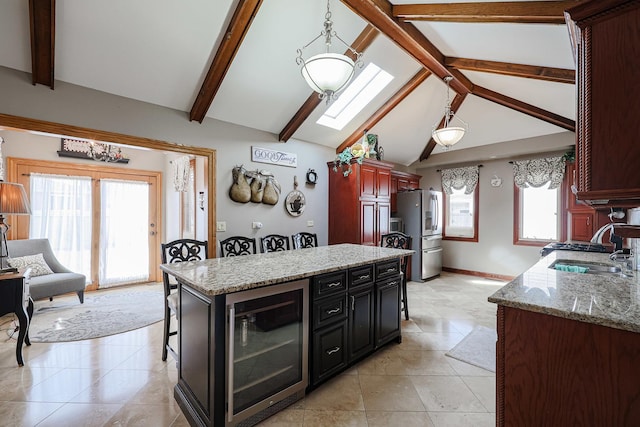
x,y
234,60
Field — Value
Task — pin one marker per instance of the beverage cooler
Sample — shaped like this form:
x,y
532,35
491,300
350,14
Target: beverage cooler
x,y
267,338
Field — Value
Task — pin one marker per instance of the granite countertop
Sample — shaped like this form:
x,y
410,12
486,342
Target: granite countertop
x,y
603,299
217,276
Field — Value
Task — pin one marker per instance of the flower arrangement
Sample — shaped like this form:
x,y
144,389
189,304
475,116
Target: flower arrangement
x,y
357,151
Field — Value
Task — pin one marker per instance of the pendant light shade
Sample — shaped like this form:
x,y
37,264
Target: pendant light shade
x,y
328,73
449,135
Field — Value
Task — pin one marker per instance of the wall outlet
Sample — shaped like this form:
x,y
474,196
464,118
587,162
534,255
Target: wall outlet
x,y
256,224
221,226
310,223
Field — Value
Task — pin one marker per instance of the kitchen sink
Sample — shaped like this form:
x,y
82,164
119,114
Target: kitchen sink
x,y
592,267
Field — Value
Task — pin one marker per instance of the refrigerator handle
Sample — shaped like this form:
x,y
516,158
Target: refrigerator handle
x,y
437,211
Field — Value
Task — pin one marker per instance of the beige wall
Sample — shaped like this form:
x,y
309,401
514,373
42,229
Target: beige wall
x,y
75,105
494,252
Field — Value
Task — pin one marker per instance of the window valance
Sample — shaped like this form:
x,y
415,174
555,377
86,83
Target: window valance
x,y
538,172
458,178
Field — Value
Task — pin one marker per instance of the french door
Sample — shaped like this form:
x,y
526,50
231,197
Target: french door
x,y
101,221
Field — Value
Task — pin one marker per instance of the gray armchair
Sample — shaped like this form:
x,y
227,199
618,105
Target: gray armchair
x,y
62,280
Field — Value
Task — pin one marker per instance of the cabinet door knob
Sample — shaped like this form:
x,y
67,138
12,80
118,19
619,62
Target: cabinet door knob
x,y
353,303
333,311
364,276
333,285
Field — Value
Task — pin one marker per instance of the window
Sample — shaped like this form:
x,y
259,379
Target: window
x,y
537,201
461,201
188,205
461,217
355,97
537,219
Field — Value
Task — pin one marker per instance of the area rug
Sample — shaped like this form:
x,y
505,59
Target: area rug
x,y
478,348
104,312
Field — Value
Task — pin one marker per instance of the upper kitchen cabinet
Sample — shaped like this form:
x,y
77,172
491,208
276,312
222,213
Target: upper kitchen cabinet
x,y
359,203
606,38
402,181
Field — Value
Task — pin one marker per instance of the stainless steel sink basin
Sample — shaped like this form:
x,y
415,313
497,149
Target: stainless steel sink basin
x,y
592,267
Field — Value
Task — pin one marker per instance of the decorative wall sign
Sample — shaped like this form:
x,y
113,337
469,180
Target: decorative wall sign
x,y
90,150
274,157
295,203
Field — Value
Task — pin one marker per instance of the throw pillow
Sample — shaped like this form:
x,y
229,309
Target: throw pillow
x,y
36,263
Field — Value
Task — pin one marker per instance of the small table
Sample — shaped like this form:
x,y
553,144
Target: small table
x,y
13,296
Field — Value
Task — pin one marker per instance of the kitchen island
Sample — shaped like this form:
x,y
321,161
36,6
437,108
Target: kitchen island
x,y
568,349
257,331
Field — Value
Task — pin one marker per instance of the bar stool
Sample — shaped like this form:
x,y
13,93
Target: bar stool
x,y
399,240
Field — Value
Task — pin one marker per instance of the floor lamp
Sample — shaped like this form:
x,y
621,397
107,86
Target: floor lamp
x,y
13,201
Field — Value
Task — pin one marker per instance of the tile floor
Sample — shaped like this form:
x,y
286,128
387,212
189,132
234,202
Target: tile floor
x,y
121,381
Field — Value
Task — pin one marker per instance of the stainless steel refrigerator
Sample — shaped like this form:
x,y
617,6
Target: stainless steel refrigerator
x,y
421,213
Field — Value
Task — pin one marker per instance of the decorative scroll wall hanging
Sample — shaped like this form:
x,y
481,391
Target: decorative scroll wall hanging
x,y
459,178
538,172
90,150
180,170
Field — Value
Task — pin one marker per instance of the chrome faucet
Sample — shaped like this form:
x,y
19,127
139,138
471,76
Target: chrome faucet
x,y
597,238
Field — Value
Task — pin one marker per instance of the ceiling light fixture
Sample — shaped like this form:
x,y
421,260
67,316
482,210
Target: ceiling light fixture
x,y
328,73
449,135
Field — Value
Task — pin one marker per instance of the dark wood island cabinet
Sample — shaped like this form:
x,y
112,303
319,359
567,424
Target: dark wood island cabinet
x,y
258,331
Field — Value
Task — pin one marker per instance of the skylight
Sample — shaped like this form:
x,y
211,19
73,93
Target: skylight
x,y
360,92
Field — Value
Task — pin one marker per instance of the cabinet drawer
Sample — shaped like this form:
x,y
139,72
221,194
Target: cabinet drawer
x,y
329,310
329,284
387,269
360,275
329,351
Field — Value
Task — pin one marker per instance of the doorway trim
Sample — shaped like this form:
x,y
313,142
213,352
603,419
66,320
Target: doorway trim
x,y
23,123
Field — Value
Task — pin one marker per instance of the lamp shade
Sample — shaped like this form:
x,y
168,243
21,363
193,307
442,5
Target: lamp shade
x,y
13,199
447,136
328,72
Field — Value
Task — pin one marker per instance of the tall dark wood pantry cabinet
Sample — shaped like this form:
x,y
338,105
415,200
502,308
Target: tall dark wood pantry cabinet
x,y
360,203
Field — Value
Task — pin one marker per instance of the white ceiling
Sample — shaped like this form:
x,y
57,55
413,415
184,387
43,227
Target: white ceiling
x,y
159,51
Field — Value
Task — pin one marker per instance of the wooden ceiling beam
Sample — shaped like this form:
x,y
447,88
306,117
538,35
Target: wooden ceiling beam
x,y
525,108
455,106
379,14
360,44
530,12
559,75
401,94
42,23
232,39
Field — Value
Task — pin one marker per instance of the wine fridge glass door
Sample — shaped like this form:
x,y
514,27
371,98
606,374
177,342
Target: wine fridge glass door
x,y
267,340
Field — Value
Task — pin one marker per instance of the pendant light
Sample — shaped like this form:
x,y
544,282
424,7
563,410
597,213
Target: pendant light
x,y
448,135
328,73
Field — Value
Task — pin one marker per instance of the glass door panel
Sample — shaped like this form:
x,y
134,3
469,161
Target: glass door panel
x,y
267,340
124,231
61,212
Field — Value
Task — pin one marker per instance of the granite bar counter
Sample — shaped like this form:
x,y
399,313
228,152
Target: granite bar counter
x,y
217,276
568,346
259,331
